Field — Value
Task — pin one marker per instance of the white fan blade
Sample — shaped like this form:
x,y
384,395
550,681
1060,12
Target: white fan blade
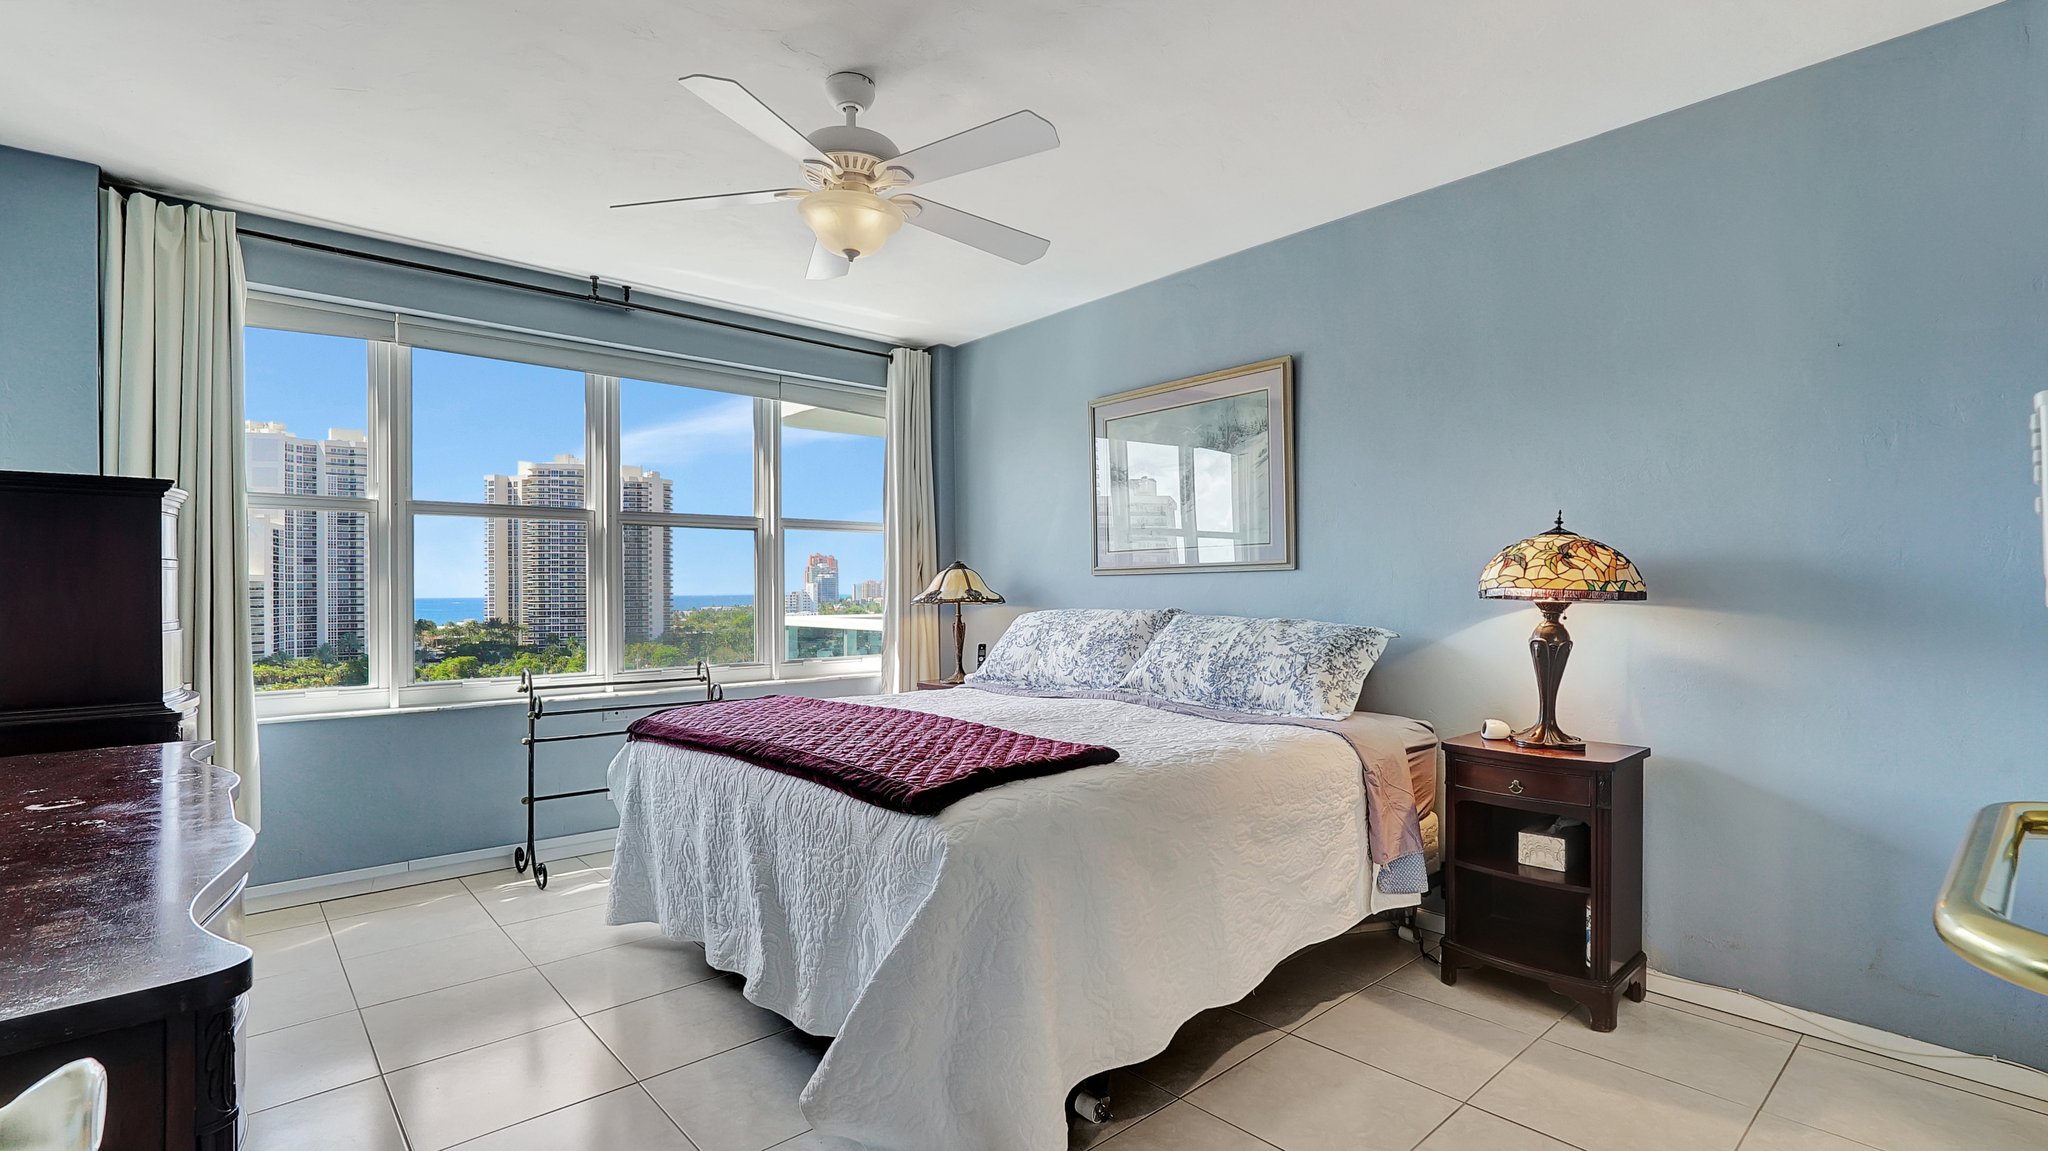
x,y
723,199
827,265
973,231
1015,135
746,110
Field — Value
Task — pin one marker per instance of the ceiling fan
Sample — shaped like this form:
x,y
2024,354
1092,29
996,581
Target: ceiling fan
x,y
849,168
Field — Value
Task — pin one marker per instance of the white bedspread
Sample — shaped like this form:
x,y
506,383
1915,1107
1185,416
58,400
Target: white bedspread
x,y
976,964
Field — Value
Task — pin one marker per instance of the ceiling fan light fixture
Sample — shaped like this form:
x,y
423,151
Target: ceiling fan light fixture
x,y
851,222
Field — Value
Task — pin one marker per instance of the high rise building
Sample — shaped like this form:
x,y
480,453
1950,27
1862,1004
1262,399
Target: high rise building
x,y
821,578
309,578
869,590
536,570
799,603
647,566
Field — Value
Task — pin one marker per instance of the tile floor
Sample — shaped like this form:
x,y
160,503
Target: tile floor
x,y
485,1014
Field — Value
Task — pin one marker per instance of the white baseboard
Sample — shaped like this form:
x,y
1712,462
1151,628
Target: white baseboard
x,y
362,881
1984,1070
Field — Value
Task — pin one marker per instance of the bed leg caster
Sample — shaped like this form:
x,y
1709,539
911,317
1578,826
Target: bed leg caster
x,y
1090,1101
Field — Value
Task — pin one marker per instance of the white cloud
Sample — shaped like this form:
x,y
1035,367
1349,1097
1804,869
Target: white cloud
x,y
723,428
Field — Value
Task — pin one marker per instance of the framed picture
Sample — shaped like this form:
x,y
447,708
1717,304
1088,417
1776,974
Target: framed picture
x,y
1198,474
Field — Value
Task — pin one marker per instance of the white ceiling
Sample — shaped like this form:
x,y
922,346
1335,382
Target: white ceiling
x,y
1190,128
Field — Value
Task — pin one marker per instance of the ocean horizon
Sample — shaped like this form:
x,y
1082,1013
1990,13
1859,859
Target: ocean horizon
x,y
447,609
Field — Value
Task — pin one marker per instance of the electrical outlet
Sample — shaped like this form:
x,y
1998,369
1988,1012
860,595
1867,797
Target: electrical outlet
x,y
980,654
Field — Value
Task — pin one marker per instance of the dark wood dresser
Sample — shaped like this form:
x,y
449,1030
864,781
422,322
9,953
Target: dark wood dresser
x,y
121,872
90,587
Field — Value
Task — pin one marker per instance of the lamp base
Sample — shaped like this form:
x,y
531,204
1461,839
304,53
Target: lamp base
x,y
1547,734
1550,645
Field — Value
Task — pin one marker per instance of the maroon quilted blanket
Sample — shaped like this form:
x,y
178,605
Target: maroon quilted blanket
x,y
905,761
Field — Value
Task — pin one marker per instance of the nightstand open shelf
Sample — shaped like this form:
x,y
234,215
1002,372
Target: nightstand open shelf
x,y
1579,930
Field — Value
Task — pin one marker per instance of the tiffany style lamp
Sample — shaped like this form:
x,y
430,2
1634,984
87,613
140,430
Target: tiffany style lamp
x,y
1557,569
956,585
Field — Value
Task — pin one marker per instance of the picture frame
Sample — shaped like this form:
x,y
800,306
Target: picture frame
x,y
1196,474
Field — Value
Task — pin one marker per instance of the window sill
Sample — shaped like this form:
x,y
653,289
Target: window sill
x,y
387,709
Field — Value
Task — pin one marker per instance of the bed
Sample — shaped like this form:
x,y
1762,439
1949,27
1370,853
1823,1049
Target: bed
x,y
975,964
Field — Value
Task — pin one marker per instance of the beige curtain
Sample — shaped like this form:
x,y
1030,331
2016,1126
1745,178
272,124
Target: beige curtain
x,y
172,297
910,556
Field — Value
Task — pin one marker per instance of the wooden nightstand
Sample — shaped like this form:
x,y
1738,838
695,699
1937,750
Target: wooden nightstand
x,y
934,685
1579,930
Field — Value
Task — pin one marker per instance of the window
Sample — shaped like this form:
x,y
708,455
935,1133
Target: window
x,y
436,509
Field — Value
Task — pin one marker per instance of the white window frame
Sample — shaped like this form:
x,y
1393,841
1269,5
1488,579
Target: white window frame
x,y
392,509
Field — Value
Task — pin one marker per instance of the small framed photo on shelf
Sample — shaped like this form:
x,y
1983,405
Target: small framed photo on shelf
x,y
1197,474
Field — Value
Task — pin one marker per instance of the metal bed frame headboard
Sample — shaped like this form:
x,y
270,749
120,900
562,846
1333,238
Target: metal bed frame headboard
x,y
537,709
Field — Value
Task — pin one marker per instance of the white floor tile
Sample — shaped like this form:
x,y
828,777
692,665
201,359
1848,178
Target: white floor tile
x,y
1774,1133
1314,979
412,895
353,1118
404,926
264,922
1185,1127
1601,1106
598,980
1474,1130
1897,1112
281,1001
598,858
578,932
1509,1000
305,1060
291,950
415,969
484,1089
1715,1057
1444,1050
1302,1097
1206,1046
512,898
740,1100
665,1031
624,1120
408,1031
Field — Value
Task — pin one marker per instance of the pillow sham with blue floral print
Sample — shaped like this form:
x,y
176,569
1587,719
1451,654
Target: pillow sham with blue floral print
x,y
1265,666
1069,648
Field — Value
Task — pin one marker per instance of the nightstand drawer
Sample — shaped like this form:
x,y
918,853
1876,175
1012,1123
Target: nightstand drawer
x,y
1554,787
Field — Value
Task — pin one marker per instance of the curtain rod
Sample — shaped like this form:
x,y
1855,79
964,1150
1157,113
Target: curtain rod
x,y
625,299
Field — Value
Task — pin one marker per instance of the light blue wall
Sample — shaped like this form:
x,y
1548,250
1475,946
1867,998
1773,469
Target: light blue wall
x,y
347,793
1778,347
49,314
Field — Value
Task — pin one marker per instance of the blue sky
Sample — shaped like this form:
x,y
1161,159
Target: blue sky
x,y
473,417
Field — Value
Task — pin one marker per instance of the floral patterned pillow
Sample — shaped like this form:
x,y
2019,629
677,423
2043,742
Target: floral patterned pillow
x,y
1265,666
1070,648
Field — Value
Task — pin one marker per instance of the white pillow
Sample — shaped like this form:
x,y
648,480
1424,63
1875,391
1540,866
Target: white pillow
x,y
1265,666
1070,648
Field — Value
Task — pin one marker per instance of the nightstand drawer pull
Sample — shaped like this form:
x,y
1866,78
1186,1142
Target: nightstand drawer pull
x,y
1551,786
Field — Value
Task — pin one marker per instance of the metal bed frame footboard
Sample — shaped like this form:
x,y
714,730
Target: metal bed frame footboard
x,y
537,709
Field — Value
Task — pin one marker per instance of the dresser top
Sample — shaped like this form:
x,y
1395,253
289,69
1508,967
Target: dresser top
x,y
106,858
1598,756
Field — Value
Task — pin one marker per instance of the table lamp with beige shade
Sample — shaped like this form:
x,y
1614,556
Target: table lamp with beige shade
x,y
1556,569
958,584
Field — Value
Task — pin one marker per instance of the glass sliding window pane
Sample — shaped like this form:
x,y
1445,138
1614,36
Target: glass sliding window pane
x,y
832,600
307,403
688,595
308,585
494,596
478,423
691,448
831,465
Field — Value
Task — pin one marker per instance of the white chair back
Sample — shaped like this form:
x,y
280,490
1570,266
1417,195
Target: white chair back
x,y
64,1111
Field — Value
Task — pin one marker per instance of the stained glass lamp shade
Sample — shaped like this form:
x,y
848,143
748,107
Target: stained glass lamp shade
x,y
958,584
1556,569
